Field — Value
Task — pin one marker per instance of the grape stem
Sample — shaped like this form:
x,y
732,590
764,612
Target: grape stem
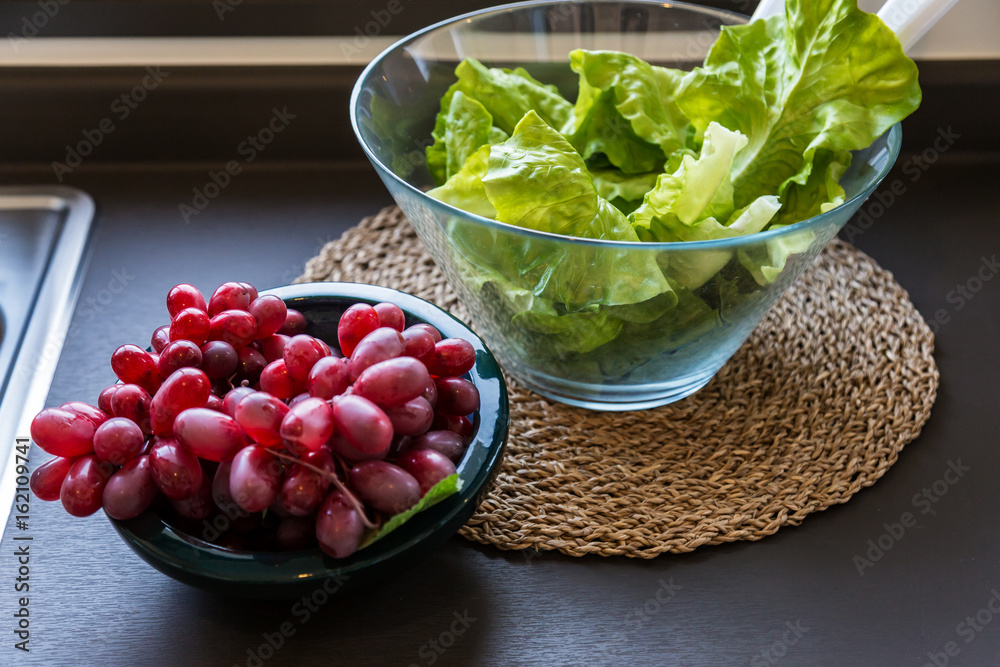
x,y
351,498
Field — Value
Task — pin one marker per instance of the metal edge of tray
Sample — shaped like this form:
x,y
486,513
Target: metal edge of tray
x,y
34,364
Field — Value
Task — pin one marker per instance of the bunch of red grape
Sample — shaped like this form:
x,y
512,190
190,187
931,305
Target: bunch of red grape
x,y
238,419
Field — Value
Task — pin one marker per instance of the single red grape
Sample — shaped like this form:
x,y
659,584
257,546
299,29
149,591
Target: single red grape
x,y
411,418
387,488
251,291
82,491
191,324
390,315
160,338
132,402
418,343
184,296
63,433
104,399
302,491
452,357
448,443
270,312
276,380
179,354
308,424
363,423
456,396
133,365
251,365
176,470
357,322
300,354
427,466
229,296
130,490
260,415
435,334
118,440
46,480
382,344
211,435
254,478
295,323
339,527
219,359
393,381
273,347
185,388
236,327
329,377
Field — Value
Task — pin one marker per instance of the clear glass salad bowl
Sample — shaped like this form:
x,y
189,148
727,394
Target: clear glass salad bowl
x,y
637,357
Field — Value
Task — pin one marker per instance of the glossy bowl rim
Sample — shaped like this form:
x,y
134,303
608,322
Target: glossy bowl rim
x,y
892,139
151,528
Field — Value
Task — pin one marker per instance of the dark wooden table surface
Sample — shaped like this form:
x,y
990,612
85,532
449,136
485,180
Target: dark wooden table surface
x,y
797,597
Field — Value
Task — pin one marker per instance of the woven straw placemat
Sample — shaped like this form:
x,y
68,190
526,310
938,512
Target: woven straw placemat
x,y
816,405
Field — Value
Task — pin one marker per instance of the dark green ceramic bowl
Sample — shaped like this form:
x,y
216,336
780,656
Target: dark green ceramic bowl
x,y
295,573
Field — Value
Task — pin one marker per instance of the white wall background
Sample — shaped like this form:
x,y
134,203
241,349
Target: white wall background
x,y
970,30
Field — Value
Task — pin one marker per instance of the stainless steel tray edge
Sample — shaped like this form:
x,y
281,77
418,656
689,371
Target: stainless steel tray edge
x,y
35,363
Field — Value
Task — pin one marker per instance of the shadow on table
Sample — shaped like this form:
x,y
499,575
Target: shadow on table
x,y
527,557
428,614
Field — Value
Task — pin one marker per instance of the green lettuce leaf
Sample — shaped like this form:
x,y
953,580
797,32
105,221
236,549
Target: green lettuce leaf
x,y
701,189
820,193
448,486
462,126
581,331
601,130
465,189
537,181
509,94
626,110
766,262
825,75
614,184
